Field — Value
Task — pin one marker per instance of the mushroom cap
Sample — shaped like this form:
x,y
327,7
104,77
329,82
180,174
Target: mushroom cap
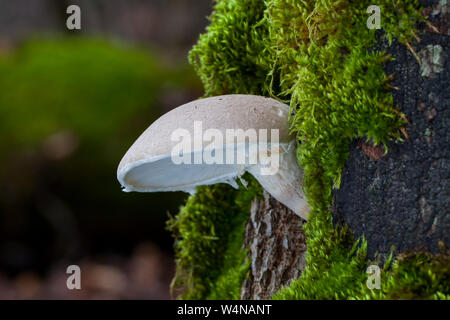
x,y
147,166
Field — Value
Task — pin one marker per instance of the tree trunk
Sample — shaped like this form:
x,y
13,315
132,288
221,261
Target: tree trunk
x,y
277,248
400,200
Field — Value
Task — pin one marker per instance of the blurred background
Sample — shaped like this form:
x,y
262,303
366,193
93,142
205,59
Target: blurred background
x,y
71,103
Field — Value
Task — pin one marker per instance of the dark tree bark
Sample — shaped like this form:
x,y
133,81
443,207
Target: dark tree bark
x,y
400,200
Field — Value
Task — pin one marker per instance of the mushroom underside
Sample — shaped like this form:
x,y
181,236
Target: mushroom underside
x,y
279,174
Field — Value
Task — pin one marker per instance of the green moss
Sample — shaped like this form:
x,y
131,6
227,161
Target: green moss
x,y
318,57
209,232
414,275
231,56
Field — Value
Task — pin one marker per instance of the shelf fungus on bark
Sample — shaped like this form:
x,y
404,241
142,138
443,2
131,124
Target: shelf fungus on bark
x,y
216,140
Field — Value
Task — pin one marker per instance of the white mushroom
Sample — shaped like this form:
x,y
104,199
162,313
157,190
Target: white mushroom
x,y
216,140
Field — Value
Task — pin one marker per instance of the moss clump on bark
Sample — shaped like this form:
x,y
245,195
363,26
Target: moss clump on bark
x,y
232,56
316,56
209,232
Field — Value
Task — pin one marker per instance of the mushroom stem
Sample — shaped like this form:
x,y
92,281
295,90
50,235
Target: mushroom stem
x,y
286,184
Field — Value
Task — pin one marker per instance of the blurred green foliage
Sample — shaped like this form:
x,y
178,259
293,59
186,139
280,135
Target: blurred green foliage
x,y
84,85
70,107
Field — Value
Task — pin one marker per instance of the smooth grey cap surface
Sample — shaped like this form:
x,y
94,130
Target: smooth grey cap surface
x,y
147,165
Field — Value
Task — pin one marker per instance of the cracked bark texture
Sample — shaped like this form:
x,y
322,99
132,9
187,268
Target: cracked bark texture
x,y
402,200
277,248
